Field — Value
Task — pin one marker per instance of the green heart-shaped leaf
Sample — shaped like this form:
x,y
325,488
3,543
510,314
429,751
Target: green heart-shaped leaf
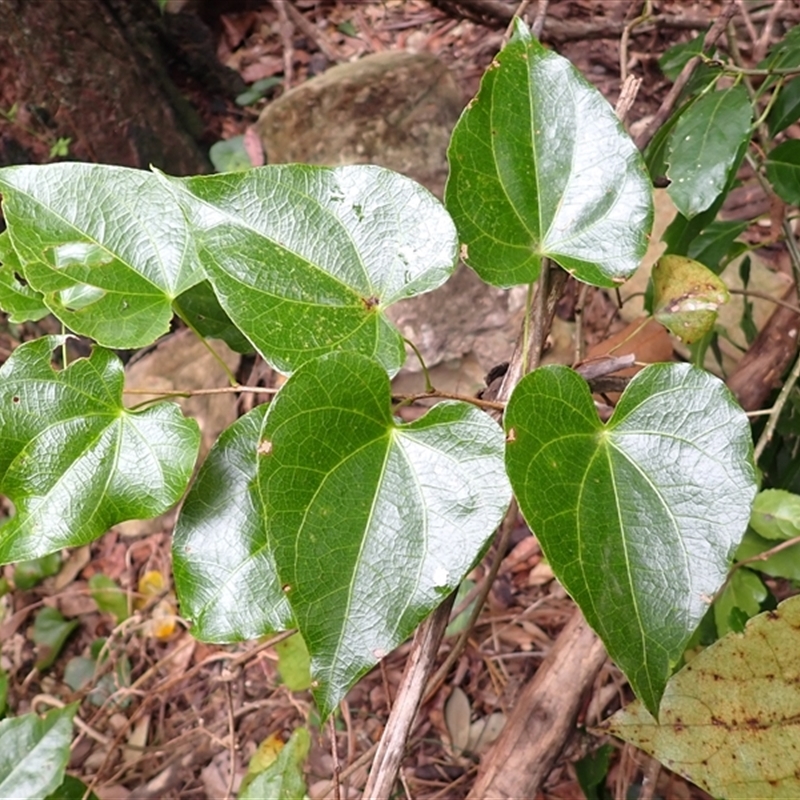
x,y
74,461
540,166
371,523
304,260
107,247
639,518
686,296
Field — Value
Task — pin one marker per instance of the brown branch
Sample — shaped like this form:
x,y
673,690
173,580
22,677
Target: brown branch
x,y
420,665
543,717
670,101
496,14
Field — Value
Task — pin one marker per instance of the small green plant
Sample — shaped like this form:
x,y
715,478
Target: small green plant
x,y
320,511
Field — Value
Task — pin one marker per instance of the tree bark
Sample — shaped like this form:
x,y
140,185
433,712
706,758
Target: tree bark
x,y
92,71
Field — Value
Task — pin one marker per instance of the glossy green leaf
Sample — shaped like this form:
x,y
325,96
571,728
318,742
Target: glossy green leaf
x,y
784,54
729,719
17,299
225,572
108,247
109,597
786,109
72,789
540,166
776,514
294,663
674,58
304,260
591,771
783,564
283,779
371,523
740,600
783,170
374,522
28,573
50,633
229,155
74,461
703,147
638,518
34,753
256,91
716,244
3,692
200,308
682,232
686,297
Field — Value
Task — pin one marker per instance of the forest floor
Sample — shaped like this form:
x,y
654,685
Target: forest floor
x,y
186,716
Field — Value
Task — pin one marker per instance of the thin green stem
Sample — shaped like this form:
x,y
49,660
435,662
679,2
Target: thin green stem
x,y
408,399
764,296
231,377
426,374
156,397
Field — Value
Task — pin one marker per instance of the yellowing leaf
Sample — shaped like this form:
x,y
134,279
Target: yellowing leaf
x,y
730,720
164,617
686,297
151,584
266,754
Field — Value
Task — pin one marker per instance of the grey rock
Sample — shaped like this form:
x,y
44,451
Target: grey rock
x,y
394,109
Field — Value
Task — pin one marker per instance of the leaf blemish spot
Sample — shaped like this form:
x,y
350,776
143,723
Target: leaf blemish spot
x,y
286,588
264,447
370,302
511,436
15,399
379,653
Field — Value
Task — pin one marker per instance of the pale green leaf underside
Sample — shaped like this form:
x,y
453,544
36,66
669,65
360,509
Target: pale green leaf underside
x,y
371,524
639,518
107,247
540,166
729,720
74,462
304,260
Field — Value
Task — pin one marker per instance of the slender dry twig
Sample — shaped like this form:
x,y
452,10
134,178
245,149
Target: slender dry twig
x,y
409,697
337,766
667,106
647,12
760,49
286,30
231,741
520,10
764,296
538,22
777,409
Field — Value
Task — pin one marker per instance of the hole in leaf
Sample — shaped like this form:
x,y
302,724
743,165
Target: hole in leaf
x,y
83,254
80,296
15,399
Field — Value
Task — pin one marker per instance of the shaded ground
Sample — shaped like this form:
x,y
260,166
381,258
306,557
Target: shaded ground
x,y
193,714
